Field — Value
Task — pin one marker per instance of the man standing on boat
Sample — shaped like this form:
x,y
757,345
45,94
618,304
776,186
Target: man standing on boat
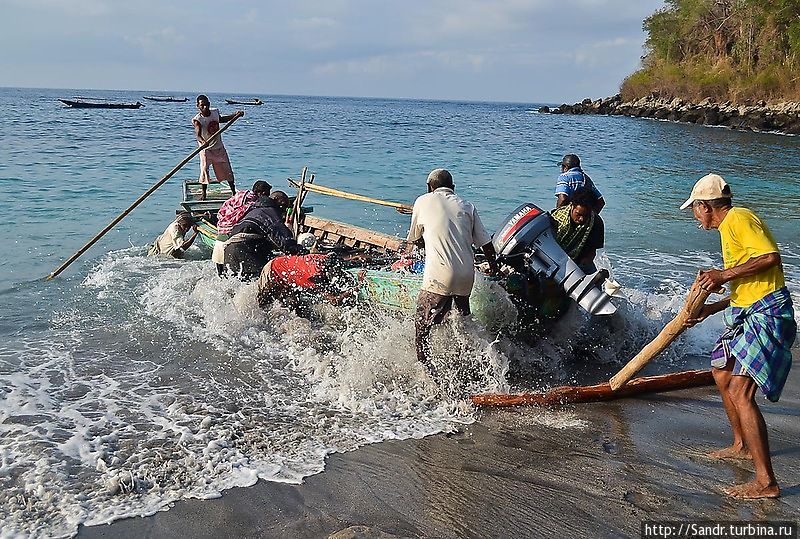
x,y
447,226
571,179
255,238
754,351
206,123
231,211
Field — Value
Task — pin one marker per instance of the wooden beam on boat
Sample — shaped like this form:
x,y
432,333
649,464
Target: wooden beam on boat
x,y
322,190
599,392
351,235
294,216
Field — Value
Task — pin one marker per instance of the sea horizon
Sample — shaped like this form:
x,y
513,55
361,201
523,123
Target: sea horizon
x,y
260,94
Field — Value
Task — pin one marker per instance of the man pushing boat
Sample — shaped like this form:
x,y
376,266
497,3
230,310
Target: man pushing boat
x,y
447,226
256,237
230,213
299,281
754,351
172,242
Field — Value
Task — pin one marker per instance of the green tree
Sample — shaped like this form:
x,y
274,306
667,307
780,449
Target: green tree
x,y
723,49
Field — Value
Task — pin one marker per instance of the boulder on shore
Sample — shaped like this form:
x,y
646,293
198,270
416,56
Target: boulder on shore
x,y
778,117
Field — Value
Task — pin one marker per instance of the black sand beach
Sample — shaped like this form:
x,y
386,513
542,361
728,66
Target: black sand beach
x,y
510,475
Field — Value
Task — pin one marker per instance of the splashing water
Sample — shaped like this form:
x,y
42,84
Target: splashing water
x,y
137,382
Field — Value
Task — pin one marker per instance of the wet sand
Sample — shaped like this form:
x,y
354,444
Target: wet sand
x,y
509,475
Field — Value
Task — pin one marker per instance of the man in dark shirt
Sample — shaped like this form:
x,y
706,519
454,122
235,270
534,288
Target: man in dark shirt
x,y
579,230
257,235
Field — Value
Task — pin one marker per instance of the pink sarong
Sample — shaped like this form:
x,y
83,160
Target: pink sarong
x,y
217,158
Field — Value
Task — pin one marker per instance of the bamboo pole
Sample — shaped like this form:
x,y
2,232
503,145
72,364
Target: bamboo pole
x,y
322,190
139,200
294,217
300,218
694,302
600,392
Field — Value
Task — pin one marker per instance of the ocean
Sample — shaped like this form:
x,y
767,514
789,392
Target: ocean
x,y
128,382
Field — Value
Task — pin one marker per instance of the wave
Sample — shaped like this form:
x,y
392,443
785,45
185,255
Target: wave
x,y
158,382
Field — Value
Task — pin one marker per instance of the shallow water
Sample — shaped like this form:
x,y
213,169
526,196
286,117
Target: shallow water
x,y
130,382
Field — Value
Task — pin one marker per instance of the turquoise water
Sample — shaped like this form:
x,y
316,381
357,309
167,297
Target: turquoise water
x,y
130,382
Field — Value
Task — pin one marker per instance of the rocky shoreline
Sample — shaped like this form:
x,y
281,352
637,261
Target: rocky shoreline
x,y
780,117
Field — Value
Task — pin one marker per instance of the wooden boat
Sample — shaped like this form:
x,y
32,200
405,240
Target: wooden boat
x,y
522,295
378,285
99,105
331,234
244,102
165,98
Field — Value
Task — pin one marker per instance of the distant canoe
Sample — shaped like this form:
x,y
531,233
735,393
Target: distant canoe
x,y
96,105
239,102
165,98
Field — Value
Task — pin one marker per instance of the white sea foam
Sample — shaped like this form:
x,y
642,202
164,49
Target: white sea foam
x,y
162,382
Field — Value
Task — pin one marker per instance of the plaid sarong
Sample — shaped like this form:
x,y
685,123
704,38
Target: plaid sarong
x,y
759,338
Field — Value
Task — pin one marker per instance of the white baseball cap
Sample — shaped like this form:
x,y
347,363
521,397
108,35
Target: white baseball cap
x,y
709,187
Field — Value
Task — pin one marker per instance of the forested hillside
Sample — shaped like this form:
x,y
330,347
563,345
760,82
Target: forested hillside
x,y
728,50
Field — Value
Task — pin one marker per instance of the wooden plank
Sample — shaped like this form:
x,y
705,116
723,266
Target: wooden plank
x,y
321,189
600,392
342,230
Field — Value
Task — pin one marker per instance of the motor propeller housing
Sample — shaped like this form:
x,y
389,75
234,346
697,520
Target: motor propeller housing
x,y
528,234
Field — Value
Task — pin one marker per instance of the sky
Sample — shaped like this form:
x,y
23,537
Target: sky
x,y
540,51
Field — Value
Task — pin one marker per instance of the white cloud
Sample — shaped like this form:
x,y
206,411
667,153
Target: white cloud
x,y
158,43
389,48
615,42
85,8
314,23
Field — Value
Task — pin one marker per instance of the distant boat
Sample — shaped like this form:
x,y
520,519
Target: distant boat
x,y
165,98
247,102
99,105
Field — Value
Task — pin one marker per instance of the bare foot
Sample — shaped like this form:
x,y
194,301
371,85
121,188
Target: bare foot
x,y
731,453
753,491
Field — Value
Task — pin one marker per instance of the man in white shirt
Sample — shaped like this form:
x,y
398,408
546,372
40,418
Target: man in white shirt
x,y
172,242
447,226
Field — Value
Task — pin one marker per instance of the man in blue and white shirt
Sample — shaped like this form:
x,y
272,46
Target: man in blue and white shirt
x,y
571,179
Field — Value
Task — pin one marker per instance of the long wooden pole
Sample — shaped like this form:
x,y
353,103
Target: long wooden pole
x,y
322,190
600,392
694,302
139,200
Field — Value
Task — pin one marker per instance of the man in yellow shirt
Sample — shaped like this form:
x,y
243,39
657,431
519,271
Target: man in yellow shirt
x,y
754,351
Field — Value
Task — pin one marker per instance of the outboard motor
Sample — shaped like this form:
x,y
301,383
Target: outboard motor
x,y
528,234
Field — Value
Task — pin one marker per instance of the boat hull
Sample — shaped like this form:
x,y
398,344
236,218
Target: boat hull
x,y
166,99
88,105
237,102
489,303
